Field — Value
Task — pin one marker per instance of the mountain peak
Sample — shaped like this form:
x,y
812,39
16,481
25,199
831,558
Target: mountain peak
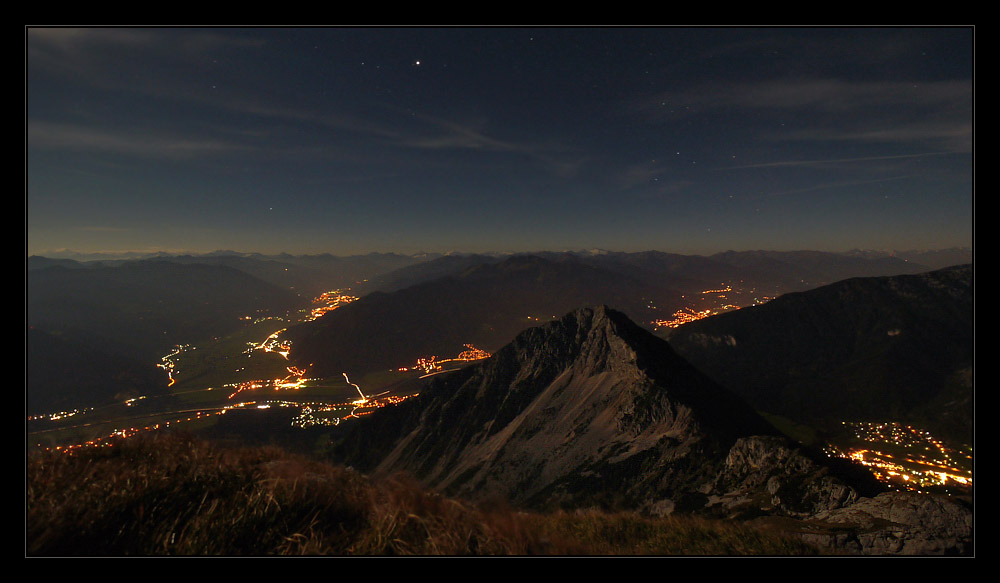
x,y
596,340
589,329
559,411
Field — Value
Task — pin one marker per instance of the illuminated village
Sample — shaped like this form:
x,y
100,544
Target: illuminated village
x,y
311,413
431,365
709,303
907,457
329,301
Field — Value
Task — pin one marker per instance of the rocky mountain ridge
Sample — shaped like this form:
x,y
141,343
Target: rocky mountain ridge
x,y
590,409
593,411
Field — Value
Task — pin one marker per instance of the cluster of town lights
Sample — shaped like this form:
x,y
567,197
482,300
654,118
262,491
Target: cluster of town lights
x,y
329,301
431,364
59,415
691,314
311,413
168,363
118,434
920,460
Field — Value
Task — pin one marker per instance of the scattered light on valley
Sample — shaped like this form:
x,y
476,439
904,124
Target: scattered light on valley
x,y
707,303
907,457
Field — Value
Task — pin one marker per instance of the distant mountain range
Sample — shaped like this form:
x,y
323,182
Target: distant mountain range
x,y
875,348
772,272
313,274
486,304
428,304
309,275
934,259
434,307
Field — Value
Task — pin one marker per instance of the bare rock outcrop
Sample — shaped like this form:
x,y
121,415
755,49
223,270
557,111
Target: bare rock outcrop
x,y
895,523
769,473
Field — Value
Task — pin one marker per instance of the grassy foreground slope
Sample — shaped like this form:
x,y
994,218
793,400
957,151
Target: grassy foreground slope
x,y
179,496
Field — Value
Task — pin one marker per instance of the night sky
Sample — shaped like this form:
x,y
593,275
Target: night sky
x,y
313,140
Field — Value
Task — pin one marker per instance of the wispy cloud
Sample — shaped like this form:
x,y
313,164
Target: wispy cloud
x,y
88,48
89,56
639,175
436,133
61,136
73,39
98,229
411,131
446,134
955,136
830,162
829,185
936,114
825,95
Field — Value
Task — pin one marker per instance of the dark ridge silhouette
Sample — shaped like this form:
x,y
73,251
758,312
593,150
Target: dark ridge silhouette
x,y
486,304
140,309
898,348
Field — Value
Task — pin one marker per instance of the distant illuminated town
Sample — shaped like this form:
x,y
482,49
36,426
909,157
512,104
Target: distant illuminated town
x,y
329,301
60,415
709,303
110,439
907,457
430,364
311,413
168,362
272,344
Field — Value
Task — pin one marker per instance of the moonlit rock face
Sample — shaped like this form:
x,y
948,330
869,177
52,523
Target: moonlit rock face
x,y
567,411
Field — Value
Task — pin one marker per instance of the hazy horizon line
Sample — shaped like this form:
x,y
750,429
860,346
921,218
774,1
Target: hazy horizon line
x,y
139,254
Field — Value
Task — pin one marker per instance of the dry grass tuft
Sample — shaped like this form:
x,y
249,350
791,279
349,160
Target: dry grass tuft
x,y
180,496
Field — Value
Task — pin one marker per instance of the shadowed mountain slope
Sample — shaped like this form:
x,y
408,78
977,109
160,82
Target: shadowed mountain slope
x,y
140,309
769,272
308,275
800,270
64,374
487,305
897,348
